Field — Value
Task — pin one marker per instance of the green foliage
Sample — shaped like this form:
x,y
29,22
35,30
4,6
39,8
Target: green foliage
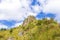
x,y
11,30
2,29
34,30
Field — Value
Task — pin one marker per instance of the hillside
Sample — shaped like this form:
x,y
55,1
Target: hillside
x,y
33,29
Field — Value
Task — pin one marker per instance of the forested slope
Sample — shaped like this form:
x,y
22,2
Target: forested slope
x,y
33,29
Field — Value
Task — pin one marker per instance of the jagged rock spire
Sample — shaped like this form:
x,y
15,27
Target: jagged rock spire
x,y
28,20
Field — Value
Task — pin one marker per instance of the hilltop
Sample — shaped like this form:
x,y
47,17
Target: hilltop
x,y
33,29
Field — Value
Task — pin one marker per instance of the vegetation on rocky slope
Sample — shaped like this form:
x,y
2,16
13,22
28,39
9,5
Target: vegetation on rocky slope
x,y
33,29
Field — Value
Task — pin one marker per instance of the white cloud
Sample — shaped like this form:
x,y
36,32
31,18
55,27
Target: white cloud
x,y
3,26
10,9
53,6
15,9
17,24
2,16
49,6
19,9
37,8
7,5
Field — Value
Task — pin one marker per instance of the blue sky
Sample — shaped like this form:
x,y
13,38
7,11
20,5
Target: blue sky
x,y
13,12
43,15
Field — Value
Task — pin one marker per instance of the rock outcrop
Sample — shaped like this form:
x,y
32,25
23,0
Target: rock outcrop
x,y
28,20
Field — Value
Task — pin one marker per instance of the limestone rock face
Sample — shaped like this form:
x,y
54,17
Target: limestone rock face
x,y
11,38
28,20
20,33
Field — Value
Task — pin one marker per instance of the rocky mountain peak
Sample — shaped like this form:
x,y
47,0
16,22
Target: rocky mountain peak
x,y
28,20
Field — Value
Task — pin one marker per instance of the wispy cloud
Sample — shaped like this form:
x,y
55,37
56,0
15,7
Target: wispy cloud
x,y
53,6
3,26
18,10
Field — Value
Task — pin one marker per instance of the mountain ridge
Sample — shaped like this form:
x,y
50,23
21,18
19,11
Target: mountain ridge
x,y
33,29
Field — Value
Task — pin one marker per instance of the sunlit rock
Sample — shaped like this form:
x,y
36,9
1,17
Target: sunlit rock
x,y
28,20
